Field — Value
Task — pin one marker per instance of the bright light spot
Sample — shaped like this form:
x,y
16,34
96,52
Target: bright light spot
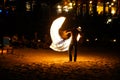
x,y
114,0
96,39
79,28
59,7
58,44
109,20
59,10
3,51
78,37
114,40
112,4
0,51
28,6
107,2
0,11
90,2
113,12
39,40
65,8
87,40
70,6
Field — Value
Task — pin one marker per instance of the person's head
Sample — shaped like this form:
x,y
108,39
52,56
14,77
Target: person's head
x,y
78,28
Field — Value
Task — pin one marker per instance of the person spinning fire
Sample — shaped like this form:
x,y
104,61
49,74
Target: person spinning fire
x,y
73,44
71,31
75,34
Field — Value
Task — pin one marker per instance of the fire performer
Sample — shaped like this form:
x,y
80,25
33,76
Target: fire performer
x,y
63,33
73,45
75,32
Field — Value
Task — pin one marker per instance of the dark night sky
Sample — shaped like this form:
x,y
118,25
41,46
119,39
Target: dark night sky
x,y
40,21
38,18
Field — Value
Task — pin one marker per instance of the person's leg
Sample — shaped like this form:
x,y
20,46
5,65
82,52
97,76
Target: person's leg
x,y
75,52
70,52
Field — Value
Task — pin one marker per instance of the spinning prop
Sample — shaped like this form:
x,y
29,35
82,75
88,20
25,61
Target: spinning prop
x,y
58,43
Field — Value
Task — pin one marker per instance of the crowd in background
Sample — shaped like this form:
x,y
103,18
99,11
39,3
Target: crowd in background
x,y
22,41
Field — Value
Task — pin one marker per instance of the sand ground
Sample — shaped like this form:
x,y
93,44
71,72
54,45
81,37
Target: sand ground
x,y
46,64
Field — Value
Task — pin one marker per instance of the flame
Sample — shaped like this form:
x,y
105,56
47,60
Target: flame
x,y
58,44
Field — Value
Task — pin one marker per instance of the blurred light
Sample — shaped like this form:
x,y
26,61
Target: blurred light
x,y
99,8
114,40
65,8
58,44
59,6
114,0
87,40
79,28
90,2
107,2
112,4
28,7
113,12
39,40
0,11
109,6
70,6
59,11
3,51
109,20
96,39
78,37
0,51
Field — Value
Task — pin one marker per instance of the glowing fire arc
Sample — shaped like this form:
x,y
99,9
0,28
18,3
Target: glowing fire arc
x,y
58,43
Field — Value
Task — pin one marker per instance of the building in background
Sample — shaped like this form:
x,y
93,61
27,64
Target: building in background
x,y
82,7
99,18
90,7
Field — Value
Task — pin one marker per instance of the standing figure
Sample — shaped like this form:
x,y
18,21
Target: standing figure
x,y
73,45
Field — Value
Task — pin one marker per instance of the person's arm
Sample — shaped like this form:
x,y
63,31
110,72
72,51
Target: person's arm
x,y
65,34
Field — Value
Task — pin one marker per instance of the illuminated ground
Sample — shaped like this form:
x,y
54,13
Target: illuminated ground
x,y
46,64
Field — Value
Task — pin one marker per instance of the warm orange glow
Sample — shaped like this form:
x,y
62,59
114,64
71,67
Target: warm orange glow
x,y
50,57
86,59
113,11
3,52
0,51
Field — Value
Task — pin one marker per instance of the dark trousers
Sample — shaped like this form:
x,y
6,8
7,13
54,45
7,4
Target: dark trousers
x,y
72,48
